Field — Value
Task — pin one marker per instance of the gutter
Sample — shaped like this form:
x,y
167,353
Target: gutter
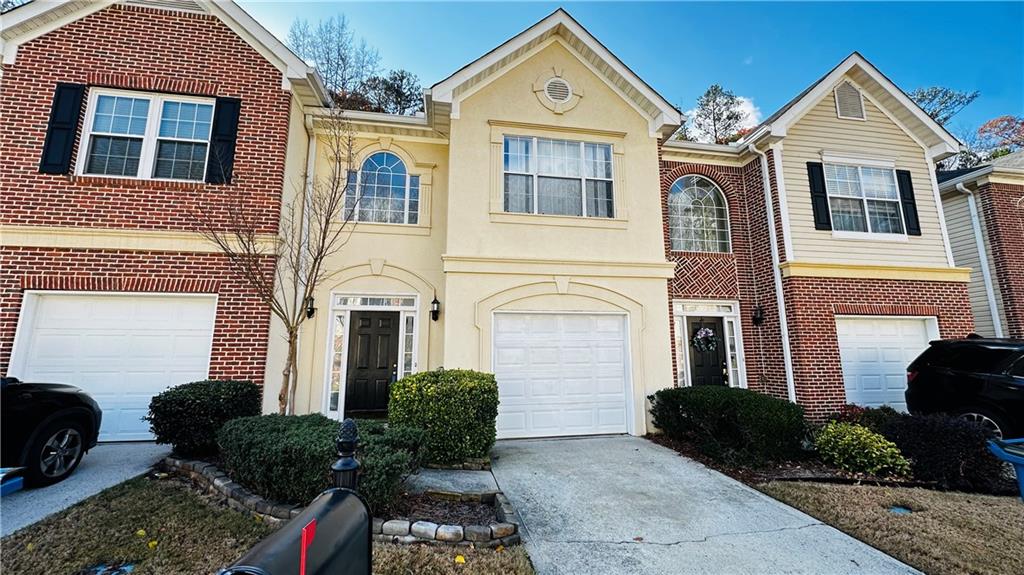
x,y
780,300
986,273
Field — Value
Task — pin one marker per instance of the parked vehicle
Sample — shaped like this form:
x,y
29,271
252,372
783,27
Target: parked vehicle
x,y
46,428
980,379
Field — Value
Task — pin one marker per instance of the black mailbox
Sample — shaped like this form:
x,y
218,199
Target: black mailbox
x,y
331,536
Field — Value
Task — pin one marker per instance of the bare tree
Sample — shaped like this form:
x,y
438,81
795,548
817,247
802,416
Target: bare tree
x,y
313,227
344,61
942,103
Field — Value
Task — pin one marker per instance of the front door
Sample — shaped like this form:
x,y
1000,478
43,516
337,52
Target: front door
x,y
707,357
372,361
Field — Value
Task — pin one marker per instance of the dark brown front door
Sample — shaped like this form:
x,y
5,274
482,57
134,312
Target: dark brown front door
x,y
707,367
372,361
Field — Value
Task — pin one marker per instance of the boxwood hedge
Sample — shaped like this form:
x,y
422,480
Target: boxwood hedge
x,y
189,416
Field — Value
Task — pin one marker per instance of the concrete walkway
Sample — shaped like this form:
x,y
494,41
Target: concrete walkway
x,y
624,505
104,466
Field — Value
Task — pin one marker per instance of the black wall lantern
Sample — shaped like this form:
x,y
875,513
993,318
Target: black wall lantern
x,y
758,315
310,310
435,309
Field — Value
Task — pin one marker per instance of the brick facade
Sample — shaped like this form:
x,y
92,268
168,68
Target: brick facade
x,y
1002,207
147,50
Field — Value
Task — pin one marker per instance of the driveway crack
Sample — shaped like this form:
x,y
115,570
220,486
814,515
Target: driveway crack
x,y
704,539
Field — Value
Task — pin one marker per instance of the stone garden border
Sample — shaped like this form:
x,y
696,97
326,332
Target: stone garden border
x,y
505,532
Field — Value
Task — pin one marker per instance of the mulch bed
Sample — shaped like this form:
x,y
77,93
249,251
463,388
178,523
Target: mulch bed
x,y
444,511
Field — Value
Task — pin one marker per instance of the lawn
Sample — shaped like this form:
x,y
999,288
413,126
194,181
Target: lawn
x,y
165,528
946,532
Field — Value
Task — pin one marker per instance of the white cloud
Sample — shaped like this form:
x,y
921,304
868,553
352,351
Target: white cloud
x,y
752,117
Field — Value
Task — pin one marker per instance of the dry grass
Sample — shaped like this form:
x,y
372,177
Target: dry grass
x,y
193,535
947,533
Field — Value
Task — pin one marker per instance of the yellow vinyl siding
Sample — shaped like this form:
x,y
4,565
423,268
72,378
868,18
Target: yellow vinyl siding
x,y
877,136
965,254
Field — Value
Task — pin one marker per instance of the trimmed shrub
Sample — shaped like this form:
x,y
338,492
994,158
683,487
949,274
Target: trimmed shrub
x,y
950,451
189,416
873,418
857,449
729,422
287,458
457,408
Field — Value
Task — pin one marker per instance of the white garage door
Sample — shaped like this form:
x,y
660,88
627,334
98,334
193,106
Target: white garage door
x,y
560,374
122,349
875,353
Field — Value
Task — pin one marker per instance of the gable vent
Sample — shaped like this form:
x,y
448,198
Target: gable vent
x,y
558,90
849,103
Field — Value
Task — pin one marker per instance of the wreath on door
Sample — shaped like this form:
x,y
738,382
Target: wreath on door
x,y
704,339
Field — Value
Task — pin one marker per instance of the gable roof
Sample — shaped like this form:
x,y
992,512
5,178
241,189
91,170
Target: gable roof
x,y
1010,165
38,17
659,111
938,141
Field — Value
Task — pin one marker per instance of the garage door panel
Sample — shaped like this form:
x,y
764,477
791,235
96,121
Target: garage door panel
x,y
573,374
875,353
121,349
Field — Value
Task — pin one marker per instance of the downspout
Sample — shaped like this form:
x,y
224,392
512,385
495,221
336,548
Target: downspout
x,y
986,274
307,191
780,299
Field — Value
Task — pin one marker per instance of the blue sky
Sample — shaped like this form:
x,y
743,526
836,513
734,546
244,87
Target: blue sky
x,y
767,52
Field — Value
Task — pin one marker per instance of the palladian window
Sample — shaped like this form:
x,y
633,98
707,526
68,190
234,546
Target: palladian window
x,y
698,218
383,192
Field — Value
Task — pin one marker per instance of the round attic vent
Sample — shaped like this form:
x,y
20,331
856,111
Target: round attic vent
x,y
558,90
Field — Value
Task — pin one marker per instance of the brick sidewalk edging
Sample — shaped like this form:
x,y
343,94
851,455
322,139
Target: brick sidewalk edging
x,y
505,532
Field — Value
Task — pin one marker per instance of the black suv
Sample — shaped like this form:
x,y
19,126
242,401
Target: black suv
x,y
977,378
46,428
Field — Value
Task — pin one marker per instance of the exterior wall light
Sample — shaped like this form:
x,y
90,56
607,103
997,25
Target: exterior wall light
x,y
435,309
758,315
310,309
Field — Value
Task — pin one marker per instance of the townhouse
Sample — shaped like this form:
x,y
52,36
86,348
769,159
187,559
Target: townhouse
x,y
537,221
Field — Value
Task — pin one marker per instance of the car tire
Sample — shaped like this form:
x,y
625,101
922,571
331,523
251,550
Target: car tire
x,y
988,418
55,452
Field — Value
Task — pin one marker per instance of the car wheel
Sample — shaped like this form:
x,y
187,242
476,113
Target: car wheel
x,y
55,452
993,423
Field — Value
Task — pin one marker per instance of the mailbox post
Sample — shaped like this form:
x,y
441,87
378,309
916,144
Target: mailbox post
x,y
346,469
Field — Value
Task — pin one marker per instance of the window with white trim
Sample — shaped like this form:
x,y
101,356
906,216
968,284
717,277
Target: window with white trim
x,y
698,218
383,192
148,136
863,199
558,177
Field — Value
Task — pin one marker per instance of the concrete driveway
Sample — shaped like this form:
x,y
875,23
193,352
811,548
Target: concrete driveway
x,y
104,466
623,505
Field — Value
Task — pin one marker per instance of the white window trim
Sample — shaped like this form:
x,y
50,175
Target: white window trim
x,y
346,310
868,235
680,316
408,186
860,92
728,221
531,161
147,160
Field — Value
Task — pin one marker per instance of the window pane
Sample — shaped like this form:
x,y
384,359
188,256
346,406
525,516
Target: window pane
x,y
180,160
382,190
558,158
120,115
885,217
517,154
185,120
112,156
599,199
698,216
559,196
518,194
848,215
842,180
879,183
598,160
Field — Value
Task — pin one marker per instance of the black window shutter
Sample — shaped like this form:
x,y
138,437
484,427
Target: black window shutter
x,y
906,185
60,131
222,141
819,197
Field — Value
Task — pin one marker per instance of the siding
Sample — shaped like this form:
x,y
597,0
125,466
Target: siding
x,y
879,136
965,254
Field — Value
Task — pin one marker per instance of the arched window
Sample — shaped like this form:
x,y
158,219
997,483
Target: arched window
x,y
698,220
383,191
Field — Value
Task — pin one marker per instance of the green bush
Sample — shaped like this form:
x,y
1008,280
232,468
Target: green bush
x,y
287,458
857,449
457,409
950,451
189,416
730,423
873,418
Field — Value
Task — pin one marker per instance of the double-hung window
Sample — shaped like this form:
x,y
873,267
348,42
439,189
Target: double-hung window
x,y
150,136
863,199
558,177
